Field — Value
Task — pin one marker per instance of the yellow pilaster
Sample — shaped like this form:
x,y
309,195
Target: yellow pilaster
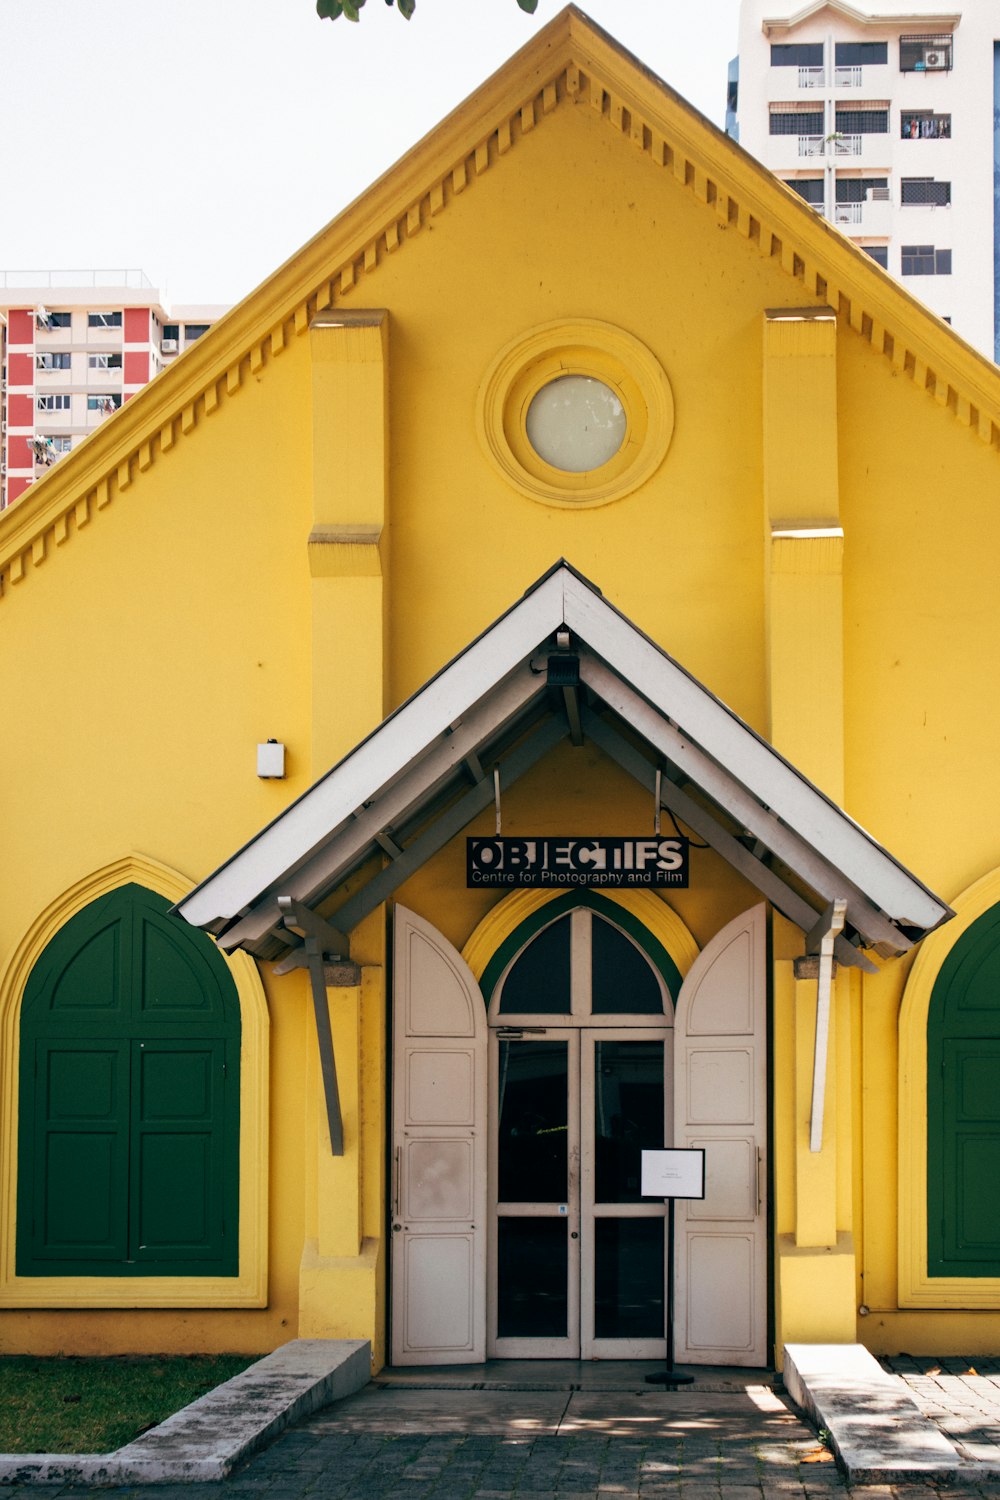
x,y
815,1171
815,1282
804,544
341,1275
347,544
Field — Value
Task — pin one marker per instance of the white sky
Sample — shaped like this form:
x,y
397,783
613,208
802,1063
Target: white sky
x,y
204,141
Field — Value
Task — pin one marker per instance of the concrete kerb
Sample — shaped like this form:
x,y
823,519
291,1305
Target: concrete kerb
x,y
205,1440
876,1430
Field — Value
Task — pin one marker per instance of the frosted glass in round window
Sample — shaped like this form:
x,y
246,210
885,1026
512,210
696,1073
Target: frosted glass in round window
x,y
576,423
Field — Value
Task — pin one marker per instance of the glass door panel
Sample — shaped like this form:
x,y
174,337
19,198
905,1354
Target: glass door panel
x,y
533,1110
628,1278
628,1114
532,1278
625,1107
536,1172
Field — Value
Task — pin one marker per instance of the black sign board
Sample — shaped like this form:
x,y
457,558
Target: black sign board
x,y
615,863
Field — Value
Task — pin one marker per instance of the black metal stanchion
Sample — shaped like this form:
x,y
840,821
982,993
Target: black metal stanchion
x,y
670,1376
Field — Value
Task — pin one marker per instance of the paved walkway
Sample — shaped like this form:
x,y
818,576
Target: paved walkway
x,y
435,1438
961,1397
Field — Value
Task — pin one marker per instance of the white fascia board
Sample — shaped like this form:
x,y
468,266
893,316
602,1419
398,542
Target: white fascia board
x,y
749,760
297,833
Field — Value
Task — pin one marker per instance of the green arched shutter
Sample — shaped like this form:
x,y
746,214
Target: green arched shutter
x,y
128,1160
963,1107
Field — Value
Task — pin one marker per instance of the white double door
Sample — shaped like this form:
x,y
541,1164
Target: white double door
x,y
577,1256
516,1221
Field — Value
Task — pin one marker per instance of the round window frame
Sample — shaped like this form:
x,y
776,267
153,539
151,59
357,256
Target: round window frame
x,y
590,348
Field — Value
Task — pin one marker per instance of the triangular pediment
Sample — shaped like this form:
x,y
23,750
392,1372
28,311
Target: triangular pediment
x,y
838,10
561,663
569,62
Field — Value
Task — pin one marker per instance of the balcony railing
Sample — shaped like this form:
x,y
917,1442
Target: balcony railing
x,y
836,145
812,78
847,77
812,145
847,213
847,145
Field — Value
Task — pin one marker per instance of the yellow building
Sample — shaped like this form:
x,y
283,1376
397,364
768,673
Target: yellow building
x,y
585,878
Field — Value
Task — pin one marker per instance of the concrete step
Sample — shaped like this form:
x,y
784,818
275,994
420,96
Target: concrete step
x,y
874,1426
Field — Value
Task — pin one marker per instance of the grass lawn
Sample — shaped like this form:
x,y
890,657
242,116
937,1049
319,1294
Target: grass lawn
x,y
67,1404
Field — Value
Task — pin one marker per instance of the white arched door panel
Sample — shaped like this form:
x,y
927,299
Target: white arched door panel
x,y
438,1151
720,1104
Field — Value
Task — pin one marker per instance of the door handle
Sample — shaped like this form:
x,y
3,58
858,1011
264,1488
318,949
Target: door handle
x,y
395,1182
760,1196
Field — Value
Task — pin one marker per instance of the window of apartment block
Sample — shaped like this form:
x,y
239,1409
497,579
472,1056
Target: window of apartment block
x,y
107,401
858,189
878,253
104,320
865,119
789,119
924,192
194,331
58,442
928,53
171,330
104,361
809,188
923,125
796,54
52,403
860,54
54,361
55,320
924,260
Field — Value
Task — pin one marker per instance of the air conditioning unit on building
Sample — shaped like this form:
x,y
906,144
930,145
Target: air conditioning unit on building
x,y
935,57
169,346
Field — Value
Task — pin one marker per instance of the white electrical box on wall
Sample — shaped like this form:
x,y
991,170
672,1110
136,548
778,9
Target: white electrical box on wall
x,y
271,761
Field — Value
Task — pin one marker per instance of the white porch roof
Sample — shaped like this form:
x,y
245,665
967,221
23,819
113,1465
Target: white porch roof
x,y
507,699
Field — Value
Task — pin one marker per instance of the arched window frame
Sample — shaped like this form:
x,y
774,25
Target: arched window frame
x,y
644,918
917,1288
249,1287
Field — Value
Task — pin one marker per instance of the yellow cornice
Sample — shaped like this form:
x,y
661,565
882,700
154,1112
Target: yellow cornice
x,y
571,61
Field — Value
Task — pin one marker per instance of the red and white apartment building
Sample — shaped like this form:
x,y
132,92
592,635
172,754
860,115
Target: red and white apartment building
x,y
73,346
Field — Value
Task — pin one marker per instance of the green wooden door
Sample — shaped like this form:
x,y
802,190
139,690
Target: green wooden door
x,y
129,1098
963,1107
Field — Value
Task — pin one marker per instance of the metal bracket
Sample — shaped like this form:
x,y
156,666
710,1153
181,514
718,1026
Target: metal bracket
x,y
298,918
327,1060
320,942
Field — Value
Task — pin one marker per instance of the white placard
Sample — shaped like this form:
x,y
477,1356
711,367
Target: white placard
x,y
673,1174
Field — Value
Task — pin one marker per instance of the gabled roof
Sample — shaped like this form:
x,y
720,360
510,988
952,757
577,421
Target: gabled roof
x,y
571,60
561,662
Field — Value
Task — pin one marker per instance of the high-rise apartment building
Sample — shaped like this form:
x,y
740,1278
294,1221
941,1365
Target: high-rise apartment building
x,y
75,345
882,119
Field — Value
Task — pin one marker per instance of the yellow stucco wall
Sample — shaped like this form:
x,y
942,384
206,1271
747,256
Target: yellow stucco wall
x,y
187,620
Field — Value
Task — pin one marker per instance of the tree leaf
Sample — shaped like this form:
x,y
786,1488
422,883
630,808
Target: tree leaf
x,y
351,9
328,10
406,7
528,5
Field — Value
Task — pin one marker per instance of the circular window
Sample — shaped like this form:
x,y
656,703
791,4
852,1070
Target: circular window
x,y
576,423
576,413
